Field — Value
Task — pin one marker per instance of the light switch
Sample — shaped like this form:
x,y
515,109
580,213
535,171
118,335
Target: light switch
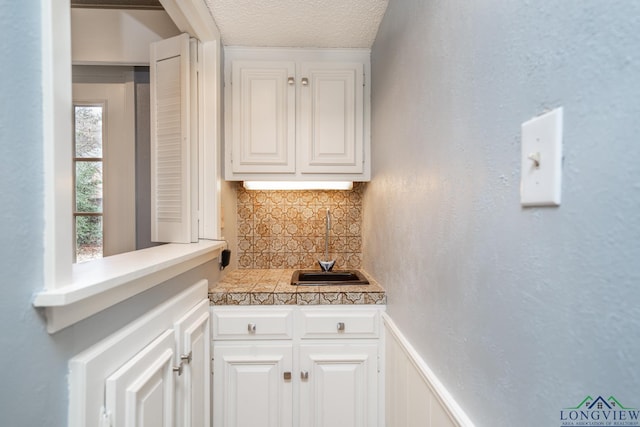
x,y
541,177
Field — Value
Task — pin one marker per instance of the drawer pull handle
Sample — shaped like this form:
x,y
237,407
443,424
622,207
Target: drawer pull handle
x,y
304,375
340,326
251,327
287,376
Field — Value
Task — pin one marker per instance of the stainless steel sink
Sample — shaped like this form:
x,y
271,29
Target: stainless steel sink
x,y
326,278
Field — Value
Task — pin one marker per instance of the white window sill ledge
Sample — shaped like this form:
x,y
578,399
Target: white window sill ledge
x,y
97,285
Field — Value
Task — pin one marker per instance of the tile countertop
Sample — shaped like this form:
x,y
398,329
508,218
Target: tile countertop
x,y
273,287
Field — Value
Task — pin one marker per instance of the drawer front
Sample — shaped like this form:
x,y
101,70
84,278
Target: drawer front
x,y
243,325
336,324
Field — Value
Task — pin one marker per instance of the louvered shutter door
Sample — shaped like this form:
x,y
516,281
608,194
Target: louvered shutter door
x,y
170,141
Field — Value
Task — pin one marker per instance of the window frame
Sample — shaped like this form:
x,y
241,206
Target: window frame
x,y
75,160
73,292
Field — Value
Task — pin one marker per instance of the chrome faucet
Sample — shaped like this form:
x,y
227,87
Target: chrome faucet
x,y
327,264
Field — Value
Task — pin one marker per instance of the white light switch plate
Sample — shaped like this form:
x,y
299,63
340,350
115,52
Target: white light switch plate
x,y
541,178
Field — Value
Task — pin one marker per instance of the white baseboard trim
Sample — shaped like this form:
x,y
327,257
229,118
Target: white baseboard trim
x,y
446,406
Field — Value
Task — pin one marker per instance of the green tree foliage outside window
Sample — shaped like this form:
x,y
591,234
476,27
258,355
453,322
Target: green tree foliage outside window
x,y
89,199
88,161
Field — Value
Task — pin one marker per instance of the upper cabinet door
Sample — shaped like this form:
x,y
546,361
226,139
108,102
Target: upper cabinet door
x,y
172,144
330,135
263,117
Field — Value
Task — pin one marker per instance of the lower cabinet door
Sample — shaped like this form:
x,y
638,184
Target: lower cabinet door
x,y
193,340
252,385
141,392
339,385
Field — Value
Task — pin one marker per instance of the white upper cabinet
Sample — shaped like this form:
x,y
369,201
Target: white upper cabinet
x,y
297,114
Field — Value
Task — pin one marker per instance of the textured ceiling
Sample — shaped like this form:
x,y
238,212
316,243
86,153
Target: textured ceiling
x,y
298,23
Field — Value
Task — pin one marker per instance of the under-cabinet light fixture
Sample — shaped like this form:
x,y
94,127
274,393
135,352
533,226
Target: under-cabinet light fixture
x,y
298,185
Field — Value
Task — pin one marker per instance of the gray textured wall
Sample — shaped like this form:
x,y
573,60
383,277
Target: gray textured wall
x,y
520,312
33,390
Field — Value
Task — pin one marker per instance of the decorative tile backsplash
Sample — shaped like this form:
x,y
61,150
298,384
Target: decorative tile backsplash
x,y
286,229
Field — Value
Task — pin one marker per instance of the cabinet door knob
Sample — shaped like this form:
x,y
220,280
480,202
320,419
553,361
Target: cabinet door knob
x,y
291,81
178,369
305,81
186,358
340,326
251,327
287,375
304,375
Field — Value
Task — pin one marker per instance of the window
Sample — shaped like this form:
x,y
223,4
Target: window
x,y
88,178
57,114
104,162
76,291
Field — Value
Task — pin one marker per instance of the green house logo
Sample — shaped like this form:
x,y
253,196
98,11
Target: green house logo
x,y
600,412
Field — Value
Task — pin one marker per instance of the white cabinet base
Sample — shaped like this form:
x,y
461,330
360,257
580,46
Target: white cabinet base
x,y
128,379
282,366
